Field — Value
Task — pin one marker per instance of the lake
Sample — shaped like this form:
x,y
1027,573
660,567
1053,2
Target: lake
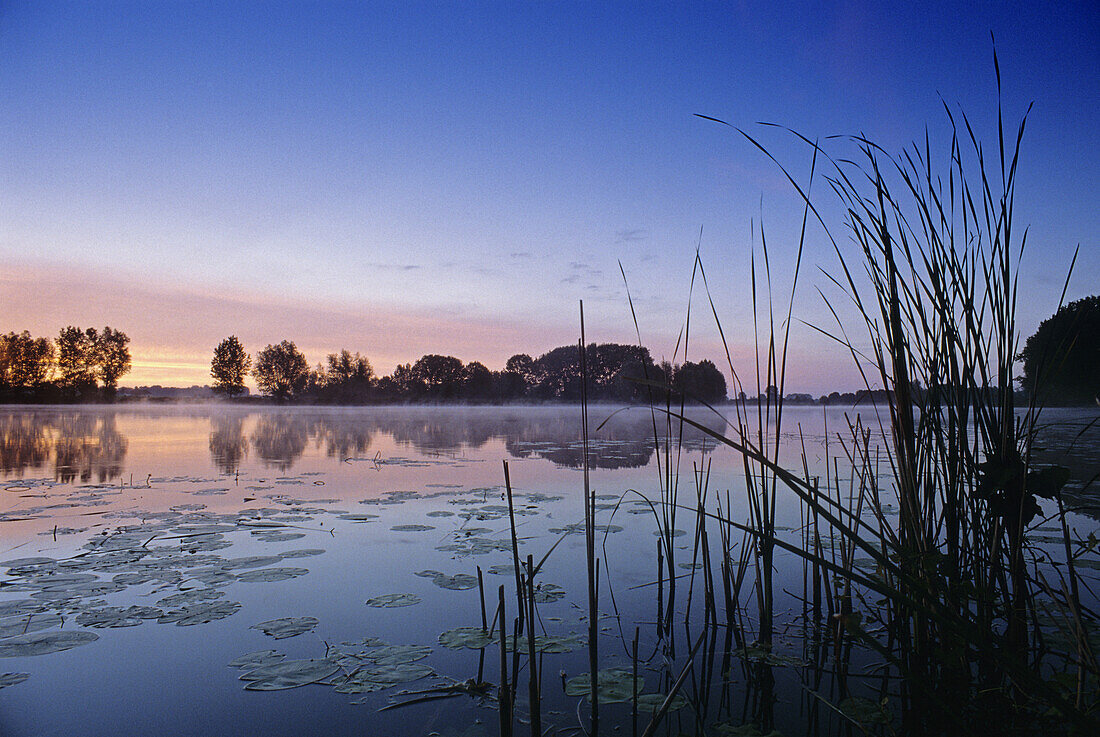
x,y
198,570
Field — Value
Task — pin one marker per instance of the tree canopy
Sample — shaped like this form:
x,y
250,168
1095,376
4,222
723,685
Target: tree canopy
x,y
1061,361
230,366
281,370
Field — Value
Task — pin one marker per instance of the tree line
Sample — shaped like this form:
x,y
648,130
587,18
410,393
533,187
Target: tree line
x,y
80,364
615,372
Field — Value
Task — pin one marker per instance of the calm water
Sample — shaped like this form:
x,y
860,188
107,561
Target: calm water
x,y
170,532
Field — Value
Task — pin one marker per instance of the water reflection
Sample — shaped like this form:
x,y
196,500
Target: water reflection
x,y
88,444
280,439
1073,441
74,445
228,444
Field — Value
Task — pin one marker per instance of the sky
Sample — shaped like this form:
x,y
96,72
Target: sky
x,y
455,177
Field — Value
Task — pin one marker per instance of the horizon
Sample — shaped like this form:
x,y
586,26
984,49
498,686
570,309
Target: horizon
x,y
400,180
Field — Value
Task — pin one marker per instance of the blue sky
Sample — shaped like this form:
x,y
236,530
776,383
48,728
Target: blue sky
x,y
403,178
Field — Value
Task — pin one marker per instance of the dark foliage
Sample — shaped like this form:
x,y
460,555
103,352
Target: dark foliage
x,y
1062,359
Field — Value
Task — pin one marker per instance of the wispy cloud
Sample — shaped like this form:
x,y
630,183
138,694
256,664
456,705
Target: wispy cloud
x,y
392,267
631,235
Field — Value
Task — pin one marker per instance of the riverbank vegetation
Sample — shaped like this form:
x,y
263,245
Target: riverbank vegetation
x,y
918,595
79,365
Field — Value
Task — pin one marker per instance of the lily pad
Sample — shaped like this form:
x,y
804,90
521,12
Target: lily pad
x,y
258,659
190,597
41,643
757,654
285,627
551,644
474,638
19,606
412,528
200,613
397,654
548,592
264,575
114,616
390,601
457,582
863,710
10,626
289,674
10,679
251,561
276,537
652,702
613,685
303,553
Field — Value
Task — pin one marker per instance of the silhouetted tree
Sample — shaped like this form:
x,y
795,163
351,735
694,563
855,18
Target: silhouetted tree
x,y
700,381
112,358
25,362
477,381
281,370
345,367
441,375
230,366
523,366
76,359
1062,359
401,384
347,379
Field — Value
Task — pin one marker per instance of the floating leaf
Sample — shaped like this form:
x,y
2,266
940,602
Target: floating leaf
x,y
653,702
474,638
264,575
457,582
304,553
286,626
397,654
288,674
41,643
757,654
23,562
200,613
258,659
411,528
548,592
863,710
251,561
552,644
19,606
277,537
10,679
613,685
114,616
10,626
389,601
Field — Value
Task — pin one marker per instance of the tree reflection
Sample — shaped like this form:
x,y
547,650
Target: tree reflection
x,y
342,439
280,439
88,447
23,443
228,445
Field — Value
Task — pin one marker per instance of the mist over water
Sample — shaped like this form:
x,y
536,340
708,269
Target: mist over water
x,y
172,533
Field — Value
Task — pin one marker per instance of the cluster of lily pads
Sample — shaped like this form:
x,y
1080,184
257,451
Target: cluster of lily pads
x,y
356,667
